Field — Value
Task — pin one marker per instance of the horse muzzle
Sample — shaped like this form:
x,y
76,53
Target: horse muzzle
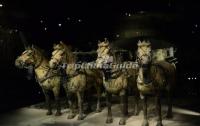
x,y
19,63
145,60
53,64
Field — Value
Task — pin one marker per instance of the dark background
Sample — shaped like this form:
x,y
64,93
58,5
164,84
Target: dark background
x,y
83,23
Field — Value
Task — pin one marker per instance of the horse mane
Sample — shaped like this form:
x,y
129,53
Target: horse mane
x,y
70,57
113,53
116,57
39,51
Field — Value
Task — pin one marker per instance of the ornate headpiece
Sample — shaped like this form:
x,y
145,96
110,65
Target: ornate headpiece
x,y
104,43
143,43
58,46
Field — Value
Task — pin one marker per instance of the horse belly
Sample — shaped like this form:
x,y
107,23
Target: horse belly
x,y
115,85
145,88
76,84
45,85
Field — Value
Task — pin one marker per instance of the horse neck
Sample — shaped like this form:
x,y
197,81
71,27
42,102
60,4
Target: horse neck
x,y
42,62
70,61
70,58
145,73
42,70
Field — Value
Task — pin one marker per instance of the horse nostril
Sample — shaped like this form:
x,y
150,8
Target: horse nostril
x,y
19,63
54,63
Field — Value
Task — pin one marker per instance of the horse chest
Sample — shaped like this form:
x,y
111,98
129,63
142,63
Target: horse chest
x,y
115,85
51,83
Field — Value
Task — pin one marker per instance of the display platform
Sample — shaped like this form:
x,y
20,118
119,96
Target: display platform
x,y
33,116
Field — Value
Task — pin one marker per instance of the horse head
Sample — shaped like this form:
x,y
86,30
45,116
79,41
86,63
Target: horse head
x,y
103,53
60,55
30,57
144,55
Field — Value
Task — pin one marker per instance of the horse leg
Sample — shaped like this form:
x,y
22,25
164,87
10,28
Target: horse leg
x,y
108,101
123,107
136,106
88,98
158,107
48,102
56,92
126,103
71,102
169,111
145,119
98,108
66,94
80,105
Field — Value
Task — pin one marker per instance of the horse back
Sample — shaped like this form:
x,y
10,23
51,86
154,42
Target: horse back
x,y
169,71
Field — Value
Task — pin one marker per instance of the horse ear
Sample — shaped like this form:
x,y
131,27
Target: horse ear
x,y
26,47
99,41
139,43
105,39
54,45
32,46
61,42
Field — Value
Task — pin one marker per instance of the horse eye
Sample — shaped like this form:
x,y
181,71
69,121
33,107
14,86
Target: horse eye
x,y
29,54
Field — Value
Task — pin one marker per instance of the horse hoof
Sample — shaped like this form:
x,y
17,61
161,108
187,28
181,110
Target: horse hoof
x,y
89,110
122,122
145,123
136,113
126,113
159,124
169,116
49,113
98,110
58,114
71,116
109,120
80,117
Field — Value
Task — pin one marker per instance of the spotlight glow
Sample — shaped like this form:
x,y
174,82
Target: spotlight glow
x,y
186,112
59,24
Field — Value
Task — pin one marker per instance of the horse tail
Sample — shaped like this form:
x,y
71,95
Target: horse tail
x,y
174,65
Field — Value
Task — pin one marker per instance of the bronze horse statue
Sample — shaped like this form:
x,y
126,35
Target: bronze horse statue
x,y
79,80
116,80
153,78
49,80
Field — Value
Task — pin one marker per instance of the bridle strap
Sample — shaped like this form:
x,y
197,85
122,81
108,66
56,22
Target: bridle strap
x,y
102,51
39,63
54,55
